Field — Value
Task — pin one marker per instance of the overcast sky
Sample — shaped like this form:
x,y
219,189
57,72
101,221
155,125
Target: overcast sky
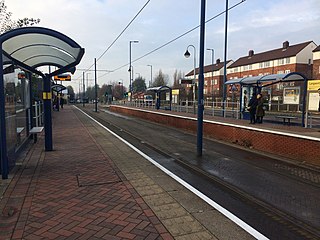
x,y
259,25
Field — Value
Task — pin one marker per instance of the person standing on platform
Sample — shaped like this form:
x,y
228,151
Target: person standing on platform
x,y
61,100
252,107
260,108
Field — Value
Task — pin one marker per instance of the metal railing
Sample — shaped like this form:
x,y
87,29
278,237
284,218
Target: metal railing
x,y
38,113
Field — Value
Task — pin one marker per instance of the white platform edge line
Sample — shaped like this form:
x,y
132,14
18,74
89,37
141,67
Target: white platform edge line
x,y
232,125
215,205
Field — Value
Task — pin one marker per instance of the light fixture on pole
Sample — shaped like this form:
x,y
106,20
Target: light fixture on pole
x,y
187,55
212,80
130,68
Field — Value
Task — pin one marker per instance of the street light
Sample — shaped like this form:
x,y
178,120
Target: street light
x,y
212,57
187,55
150,83
121,83
130,68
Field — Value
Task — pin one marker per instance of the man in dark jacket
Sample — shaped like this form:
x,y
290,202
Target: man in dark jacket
x,y
252,106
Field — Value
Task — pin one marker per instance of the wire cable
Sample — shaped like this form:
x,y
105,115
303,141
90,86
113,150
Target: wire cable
x,y
175,39
120,33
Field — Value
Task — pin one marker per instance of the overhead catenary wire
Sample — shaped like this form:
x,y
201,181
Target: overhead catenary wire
x,y
175,39
116,39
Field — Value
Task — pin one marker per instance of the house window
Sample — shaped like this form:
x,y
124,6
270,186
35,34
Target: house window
x,y
235,69
261,65
215,82
280,72
287,60
287,71
250,67
267,64
281,61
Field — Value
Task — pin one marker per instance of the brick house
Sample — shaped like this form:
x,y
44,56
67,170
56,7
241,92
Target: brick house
x,y
316,63
289,58
213,79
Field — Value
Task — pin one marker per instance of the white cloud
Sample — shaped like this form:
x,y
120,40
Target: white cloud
x,y
94,24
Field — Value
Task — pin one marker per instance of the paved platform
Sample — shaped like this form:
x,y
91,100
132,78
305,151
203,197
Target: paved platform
x,y
93,186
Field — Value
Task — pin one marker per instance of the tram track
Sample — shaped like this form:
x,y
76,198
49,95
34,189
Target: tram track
x,y
298,226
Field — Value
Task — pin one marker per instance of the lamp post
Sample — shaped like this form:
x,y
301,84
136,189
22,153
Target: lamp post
x,y
212,58
187,55
130,68
121,83
150,83
224,94
201,79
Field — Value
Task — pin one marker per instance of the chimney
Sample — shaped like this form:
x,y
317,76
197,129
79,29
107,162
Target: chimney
x,y
218,61
285,45
251,52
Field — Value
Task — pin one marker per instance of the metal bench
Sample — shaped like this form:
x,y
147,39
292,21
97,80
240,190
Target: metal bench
x,y
34,131
289,118
317,117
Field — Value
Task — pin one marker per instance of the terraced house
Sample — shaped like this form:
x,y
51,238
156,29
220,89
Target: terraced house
x,y
316,63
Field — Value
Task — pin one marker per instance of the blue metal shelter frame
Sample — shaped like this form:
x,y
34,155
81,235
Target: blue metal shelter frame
x,y
267,80
31,48
158,91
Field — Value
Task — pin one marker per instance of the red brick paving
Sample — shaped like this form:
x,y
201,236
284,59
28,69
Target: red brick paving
x,y
74,192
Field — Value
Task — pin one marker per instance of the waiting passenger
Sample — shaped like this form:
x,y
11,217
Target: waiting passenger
x,y
252,107
260,108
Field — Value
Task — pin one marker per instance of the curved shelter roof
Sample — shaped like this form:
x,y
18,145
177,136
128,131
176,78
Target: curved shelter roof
x,y
271,78
33,47
158,89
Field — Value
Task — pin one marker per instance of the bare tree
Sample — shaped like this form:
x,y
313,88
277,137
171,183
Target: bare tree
x,y
176,78
6,23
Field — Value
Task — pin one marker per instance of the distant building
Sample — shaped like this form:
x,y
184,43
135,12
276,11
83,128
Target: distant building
x,y
213,79
316,63
295,58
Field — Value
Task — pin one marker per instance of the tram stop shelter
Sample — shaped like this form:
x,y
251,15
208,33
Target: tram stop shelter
x,y
159,92
259,82
31,48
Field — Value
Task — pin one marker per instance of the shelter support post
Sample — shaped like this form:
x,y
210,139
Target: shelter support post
x,y
304,103
3,132
30,118
47,95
